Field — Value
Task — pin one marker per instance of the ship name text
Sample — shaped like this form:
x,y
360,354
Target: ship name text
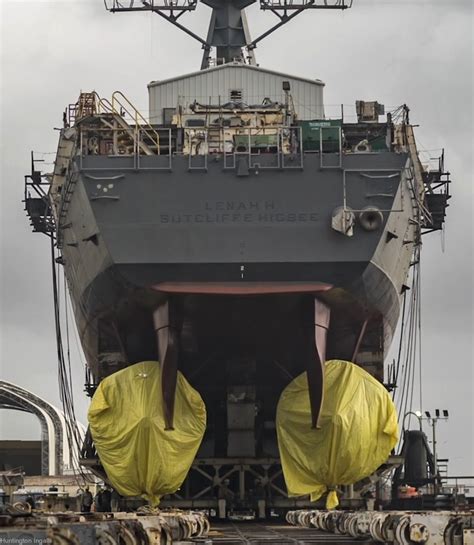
x,y
226,212
238,206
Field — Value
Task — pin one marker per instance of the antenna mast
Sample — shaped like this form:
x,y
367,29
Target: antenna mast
x,y
228,30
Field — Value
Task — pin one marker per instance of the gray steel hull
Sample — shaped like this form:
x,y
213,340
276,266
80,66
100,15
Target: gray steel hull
x,y
242,255
132,232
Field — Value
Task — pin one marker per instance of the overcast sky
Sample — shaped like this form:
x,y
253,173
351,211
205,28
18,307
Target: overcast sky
x,y
417,52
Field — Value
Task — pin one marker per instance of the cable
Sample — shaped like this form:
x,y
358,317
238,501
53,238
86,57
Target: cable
x,y
410,349
414,352
65,384
420,362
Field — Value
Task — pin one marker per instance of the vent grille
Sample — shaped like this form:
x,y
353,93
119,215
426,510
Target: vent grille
x,y
236,95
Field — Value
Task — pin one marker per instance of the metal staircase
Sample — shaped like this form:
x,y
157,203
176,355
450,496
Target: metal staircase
x,y
113,115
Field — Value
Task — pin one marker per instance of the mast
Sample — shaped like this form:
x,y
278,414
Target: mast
x,y
228,31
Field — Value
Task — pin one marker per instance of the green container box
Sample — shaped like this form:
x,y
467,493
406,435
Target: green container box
x,y
256,141
328,129
379,143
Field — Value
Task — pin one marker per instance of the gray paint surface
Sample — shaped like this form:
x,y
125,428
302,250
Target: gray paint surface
x,y
215,216
271,225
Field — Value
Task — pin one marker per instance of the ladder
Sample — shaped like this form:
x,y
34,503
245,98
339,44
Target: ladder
x,y
214,139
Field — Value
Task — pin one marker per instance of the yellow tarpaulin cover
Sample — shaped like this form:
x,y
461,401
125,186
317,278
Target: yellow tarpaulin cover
x,y
358,431
128,429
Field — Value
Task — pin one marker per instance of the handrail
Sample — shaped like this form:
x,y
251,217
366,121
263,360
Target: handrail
x,y
137,113
105,103
105,106
138,116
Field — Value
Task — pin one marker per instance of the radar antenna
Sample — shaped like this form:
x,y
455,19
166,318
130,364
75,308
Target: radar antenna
x,y
228,30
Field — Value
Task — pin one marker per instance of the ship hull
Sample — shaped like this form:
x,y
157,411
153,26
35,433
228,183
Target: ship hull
x,y
193,230
241,256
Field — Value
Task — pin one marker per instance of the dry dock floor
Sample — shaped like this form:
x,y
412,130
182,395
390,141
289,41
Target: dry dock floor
x,y
252,533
